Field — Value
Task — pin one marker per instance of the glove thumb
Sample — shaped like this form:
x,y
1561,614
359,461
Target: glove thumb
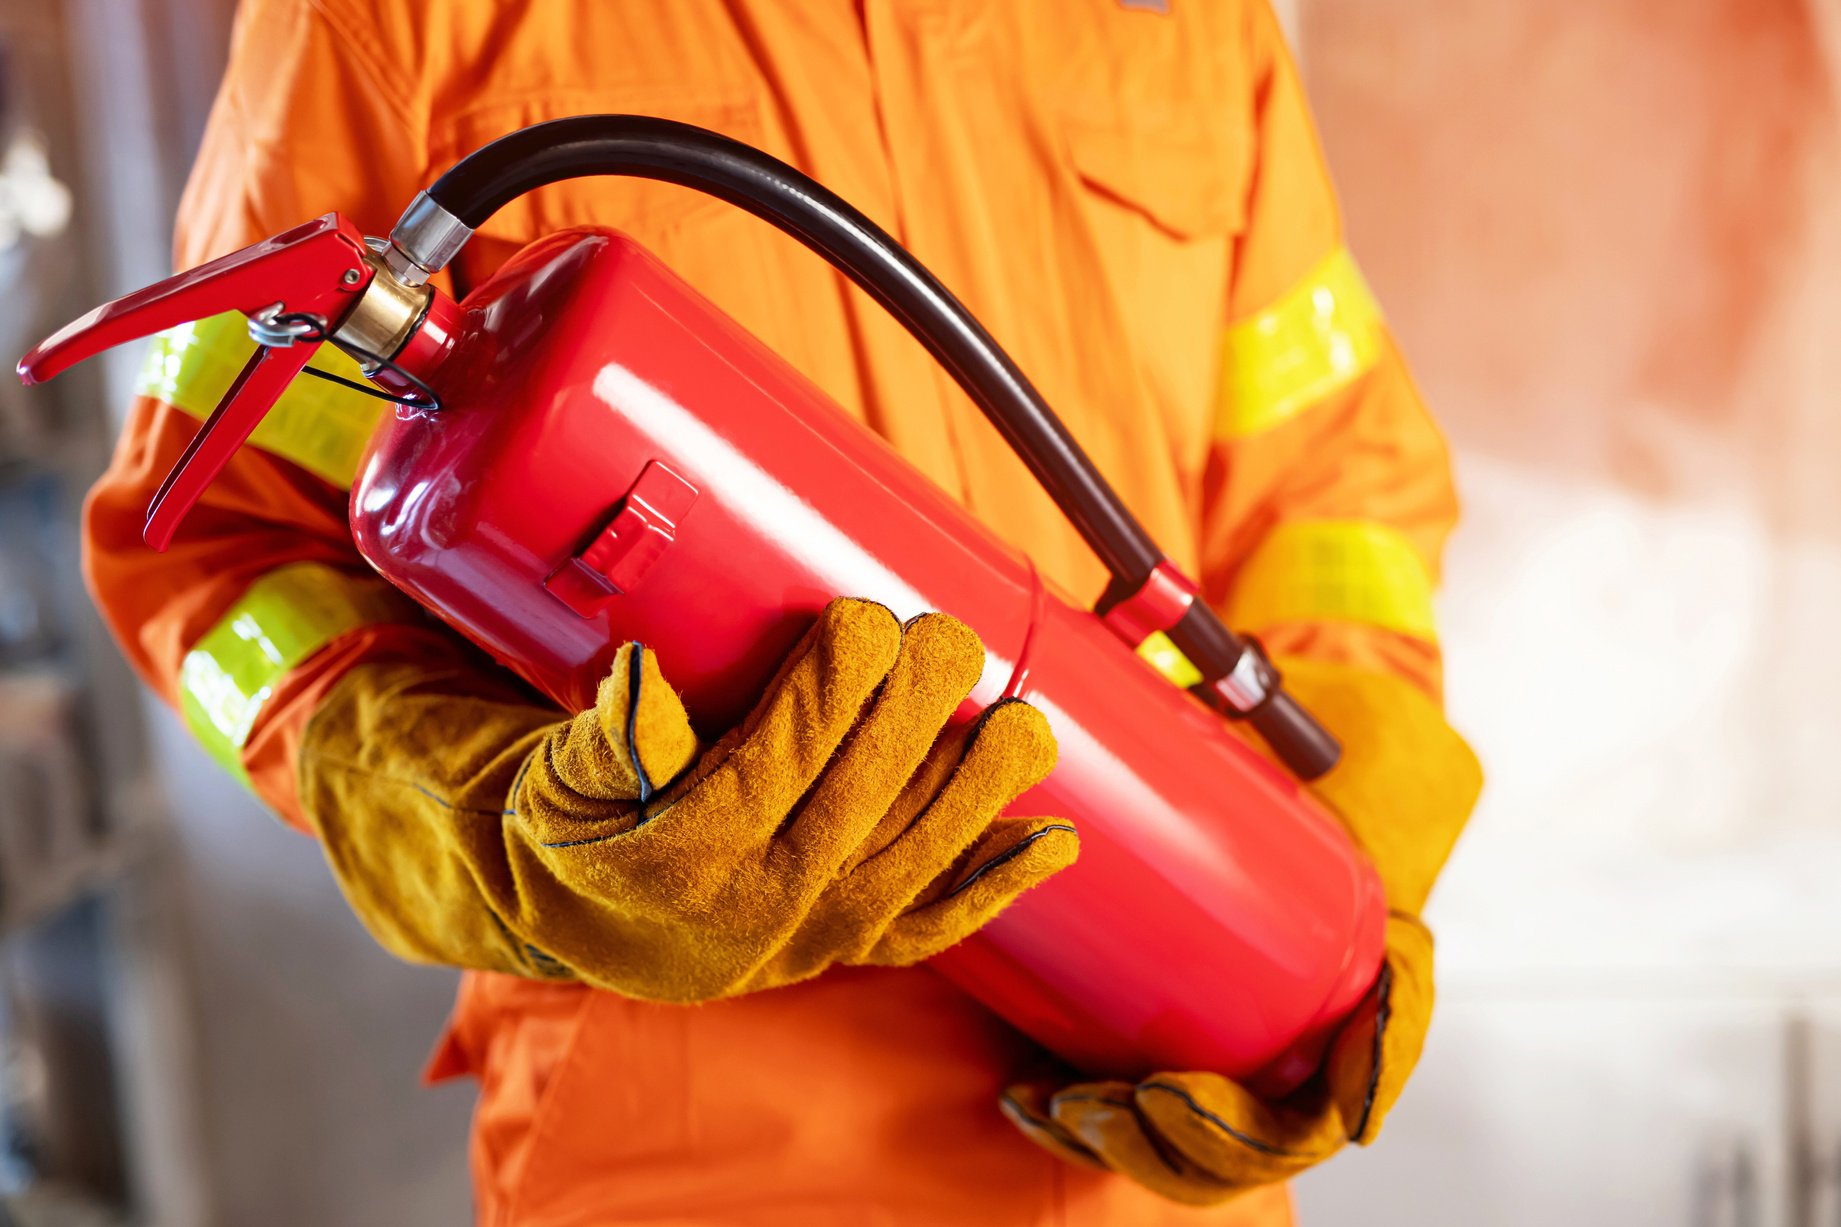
x,y
635,740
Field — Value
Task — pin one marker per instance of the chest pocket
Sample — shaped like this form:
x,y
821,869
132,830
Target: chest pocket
x,y
1159,193
1153,113
1185,179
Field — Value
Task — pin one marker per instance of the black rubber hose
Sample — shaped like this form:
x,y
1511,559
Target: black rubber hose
x,y
651,148
1305,746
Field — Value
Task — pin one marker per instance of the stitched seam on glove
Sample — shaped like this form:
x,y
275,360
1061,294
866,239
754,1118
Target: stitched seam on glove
x,y
635,675
1383,1010
1026,1120
1008,855
1158,1146
546,965
517,781
538,961
635,680
1247,1140
369,773
432,795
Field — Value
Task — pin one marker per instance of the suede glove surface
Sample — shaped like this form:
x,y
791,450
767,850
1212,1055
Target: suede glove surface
x,y
846,820
1404,788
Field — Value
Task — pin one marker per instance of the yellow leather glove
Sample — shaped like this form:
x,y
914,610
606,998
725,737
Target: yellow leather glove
x,y
835,824
1404,788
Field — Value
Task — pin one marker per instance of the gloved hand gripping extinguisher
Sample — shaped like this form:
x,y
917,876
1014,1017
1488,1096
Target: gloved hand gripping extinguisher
x,y
586,452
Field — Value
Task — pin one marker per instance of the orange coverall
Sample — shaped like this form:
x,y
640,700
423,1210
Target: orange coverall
x,y
1129,194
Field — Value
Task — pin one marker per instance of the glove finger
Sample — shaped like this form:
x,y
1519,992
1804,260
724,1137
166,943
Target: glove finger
x,y
1376,1050
1221,1128
600,767
917,794
928,781
939,662
1007,752
1014,855
1106,1120
1027,1106
746,786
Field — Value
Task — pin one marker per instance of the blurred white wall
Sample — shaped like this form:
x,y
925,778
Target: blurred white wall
x,y
1608,237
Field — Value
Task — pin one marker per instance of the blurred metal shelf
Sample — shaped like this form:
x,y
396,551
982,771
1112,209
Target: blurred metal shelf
x,y
99,1102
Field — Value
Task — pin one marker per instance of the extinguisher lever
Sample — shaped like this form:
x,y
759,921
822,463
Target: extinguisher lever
x,y
318,267
252,394
295,287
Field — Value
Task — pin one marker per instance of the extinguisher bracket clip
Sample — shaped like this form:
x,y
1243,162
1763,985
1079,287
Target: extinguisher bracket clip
x,y
1157,604
635,538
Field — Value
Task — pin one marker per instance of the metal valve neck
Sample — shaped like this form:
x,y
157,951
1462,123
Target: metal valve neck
x,y
383,319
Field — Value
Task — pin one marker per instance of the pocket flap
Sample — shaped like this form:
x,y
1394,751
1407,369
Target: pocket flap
x,y
1186,182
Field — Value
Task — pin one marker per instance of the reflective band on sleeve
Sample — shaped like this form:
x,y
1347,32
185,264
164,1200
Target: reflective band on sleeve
x,y
1335,570
1324,332
320,426
283,618
1168,659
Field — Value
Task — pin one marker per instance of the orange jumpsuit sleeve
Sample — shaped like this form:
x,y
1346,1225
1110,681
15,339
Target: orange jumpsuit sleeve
x,y
262,601
1327,494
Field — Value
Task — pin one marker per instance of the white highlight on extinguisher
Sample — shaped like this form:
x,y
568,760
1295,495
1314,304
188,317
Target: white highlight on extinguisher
x,y
778,512
765,503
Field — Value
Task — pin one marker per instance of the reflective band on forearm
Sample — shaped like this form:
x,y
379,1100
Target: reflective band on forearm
x,y
1322,333
320,426
1335,570
283,618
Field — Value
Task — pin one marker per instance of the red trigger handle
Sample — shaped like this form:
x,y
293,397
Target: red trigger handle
x,y
318,268
251,395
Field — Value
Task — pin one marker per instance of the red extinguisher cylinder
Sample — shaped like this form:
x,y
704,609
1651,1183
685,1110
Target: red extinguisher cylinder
x,y
641,468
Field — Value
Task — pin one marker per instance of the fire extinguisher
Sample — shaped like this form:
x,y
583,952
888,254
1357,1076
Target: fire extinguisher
x,y
585,451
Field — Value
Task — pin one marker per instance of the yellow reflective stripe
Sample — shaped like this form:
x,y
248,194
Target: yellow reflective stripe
x,y
1335,570
283,618
1168,659
1322,333
320,426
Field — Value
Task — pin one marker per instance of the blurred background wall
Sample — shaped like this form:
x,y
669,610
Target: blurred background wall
x,y
1607,233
